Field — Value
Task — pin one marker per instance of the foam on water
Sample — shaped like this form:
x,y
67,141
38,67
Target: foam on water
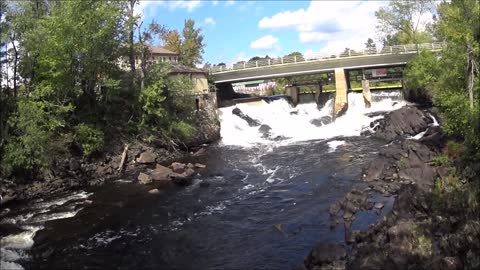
x,y
334,144
14,247
290,124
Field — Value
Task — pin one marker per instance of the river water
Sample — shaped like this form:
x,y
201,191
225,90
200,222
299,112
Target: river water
x,y
261,204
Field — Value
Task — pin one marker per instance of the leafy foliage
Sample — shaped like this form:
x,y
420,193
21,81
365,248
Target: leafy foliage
x,y
452,76
404,20
69,87
189,44
35,133
89,139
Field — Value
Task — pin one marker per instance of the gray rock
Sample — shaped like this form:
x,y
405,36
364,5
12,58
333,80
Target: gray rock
x,y
326,253
178,167
251,122
407,120
334,208
144,178
374,170
379,205
324,120
161,173
265,130
146,157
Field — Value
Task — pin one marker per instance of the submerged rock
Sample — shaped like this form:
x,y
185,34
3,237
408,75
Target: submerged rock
x,y
325,254
324,120
251,122
265,130
154,191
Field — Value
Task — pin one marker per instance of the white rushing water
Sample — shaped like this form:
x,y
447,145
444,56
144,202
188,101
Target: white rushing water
x,y
14,247
294,124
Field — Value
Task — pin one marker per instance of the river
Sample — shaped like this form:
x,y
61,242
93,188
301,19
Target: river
x,y
261,204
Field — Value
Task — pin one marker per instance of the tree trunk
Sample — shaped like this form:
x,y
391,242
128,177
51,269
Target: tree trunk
x,y
15,63
471,79
143,63
131,53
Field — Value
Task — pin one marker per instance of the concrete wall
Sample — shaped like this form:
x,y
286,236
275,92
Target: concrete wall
x,y
200,83
306,97
341,99
293,92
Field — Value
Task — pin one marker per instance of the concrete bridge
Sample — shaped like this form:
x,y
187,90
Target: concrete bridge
x,y
340,65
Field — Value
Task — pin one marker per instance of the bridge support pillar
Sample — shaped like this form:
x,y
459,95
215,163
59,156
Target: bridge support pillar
x,y
341,99
292,91
318,92
367,96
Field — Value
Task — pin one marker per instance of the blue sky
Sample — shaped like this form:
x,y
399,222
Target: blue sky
x,y
238,30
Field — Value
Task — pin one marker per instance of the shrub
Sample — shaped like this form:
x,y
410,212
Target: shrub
x,y
182,130
34,141
420,78
89,139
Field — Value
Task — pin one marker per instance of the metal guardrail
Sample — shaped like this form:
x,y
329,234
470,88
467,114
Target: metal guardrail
x,y
387,50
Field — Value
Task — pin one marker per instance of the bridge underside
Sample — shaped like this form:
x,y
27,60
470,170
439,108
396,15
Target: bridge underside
x,y
315,67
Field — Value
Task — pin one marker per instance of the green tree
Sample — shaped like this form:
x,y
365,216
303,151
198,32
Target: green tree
x,y
404,19
172,41
453,74
459,25
370,46
193,46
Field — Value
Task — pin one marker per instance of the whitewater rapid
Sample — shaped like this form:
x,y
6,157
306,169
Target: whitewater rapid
x,y
293,124
14,247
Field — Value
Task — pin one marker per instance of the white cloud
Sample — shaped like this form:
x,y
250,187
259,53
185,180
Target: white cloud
x,y
335,24
209,21
264,43
145,8
190,5
215,2
229,3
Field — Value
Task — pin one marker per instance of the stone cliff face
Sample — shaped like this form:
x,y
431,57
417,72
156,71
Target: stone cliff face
x,y
207,122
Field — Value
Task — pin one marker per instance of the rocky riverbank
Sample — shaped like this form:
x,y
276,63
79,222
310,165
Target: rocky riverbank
x,y
426,229
80,172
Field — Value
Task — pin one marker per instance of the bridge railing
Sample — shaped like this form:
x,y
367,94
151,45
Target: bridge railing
x,y
386,50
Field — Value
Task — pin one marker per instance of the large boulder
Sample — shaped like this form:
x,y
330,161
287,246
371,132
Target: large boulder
x,y
147,157
251,122
407,120
161,174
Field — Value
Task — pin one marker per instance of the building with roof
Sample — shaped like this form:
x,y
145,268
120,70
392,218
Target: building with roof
x,y
158,54
199,77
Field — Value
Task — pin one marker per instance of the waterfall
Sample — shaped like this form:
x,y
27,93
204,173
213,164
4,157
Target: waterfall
x,y
304,122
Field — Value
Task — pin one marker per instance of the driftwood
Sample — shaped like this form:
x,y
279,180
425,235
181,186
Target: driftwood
x,y
124,156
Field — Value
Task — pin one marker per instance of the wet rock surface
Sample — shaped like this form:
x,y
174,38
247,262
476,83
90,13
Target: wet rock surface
x,y
325,120
251,122
405,121
416,233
